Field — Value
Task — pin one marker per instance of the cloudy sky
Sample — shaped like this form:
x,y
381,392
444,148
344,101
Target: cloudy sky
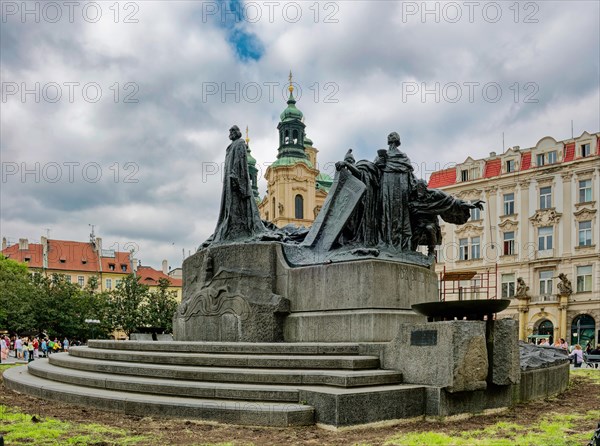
x,y
117,115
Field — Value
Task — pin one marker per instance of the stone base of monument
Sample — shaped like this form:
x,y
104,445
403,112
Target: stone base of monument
x,y
435,369
250,293
261,341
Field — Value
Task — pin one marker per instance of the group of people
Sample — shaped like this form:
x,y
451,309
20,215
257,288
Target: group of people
x,y
575,356
30,348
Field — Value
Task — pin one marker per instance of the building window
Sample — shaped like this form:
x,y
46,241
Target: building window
x,y
117,283
585,233
584,278
539,159
475,248
583,330
552,157
546,282
474,173
510,166
111,266
464,175
80,280
108,284
475,213
585,191
123,267
509,204
546,197
68,278
508,285
585,150
299,202
509,243
463,249
545,238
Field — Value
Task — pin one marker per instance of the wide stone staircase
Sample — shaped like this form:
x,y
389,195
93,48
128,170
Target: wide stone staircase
x,y
272,384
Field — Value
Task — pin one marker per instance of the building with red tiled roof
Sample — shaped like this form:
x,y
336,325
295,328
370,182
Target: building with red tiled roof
x,y
80,261
150,276
540,219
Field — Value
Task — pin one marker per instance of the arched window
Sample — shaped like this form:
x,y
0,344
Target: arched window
x,y
286,139
582,330
295,136
546,328
273,207
299,202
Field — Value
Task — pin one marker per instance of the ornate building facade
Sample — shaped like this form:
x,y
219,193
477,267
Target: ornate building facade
x,y
296,190
540,220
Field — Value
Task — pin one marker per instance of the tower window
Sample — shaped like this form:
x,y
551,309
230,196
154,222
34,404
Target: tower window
x,y
273,207
295,136
299,206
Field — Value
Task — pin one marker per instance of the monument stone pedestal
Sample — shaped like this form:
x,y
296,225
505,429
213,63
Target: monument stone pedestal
x,y
248,292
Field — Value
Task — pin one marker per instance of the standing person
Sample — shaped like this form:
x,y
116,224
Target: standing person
x,y
30,350
25,350
36,348
577,356
18,348
563,344
66,345
44,348
588,348
3,349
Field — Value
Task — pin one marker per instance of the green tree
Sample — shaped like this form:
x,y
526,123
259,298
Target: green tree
x,y
160,307
17,294
125,310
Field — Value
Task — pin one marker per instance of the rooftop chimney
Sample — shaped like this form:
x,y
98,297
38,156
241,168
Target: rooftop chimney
x,y
4,244
23,244
492,154
516,148
165,267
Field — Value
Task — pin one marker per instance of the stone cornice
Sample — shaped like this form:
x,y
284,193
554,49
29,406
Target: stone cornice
x,y
545,217
508,225
584,214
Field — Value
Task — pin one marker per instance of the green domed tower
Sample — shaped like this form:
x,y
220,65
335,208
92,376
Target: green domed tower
x,y
291,130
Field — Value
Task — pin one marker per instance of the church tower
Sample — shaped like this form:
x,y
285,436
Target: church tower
x,y
252,170
296,190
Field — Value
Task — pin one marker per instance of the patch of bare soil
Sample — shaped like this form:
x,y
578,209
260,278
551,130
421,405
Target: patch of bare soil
x,y
581,396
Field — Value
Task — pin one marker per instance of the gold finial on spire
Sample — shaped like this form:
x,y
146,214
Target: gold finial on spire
x,y
291,87
247,138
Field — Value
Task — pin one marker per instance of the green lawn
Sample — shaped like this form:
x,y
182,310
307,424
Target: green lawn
x,y
552,429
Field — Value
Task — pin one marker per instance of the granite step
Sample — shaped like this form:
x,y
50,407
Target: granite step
x,y
260,348
257,413
231,360
160,386
328,377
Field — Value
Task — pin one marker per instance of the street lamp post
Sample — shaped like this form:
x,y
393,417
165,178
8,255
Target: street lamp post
x,y
93,323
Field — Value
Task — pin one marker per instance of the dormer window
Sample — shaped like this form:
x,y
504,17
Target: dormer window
x,y
63,260
464,175
540,159
510,166
585,150
84,261
27,259
111,266
124,267
552,157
